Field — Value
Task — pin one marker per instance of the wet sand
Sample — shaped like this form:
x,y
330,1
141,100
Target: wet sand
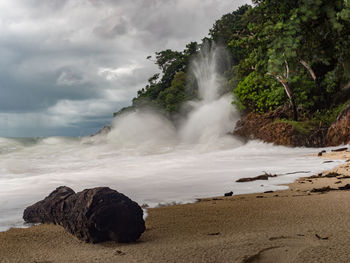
x,y
296,225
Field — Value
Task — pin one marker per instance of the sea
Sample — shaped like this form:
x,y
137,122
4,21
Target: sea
x,y
152,160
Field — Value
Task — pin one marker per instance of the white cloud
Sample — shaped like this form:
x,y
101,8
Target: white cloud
x,y
87,58
114,74
69,78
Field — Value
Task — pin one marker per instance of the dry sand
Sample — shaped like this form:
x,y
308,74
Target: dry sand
x,y
295,225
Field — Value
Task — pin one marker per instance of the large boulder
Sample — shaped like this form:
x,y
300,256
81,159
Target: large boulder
x,y
93,215
339,132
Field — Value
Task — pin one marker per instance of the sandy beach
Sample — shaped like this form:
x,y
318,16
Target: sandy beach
x,y
295,225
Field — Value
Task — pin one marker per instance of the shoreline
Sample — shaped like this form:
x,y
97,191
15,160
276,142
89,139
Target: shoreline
x,y
294,225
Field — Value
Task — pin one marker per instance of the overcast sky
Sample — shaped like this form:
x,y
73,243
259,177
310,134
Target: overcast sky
x,y
67,65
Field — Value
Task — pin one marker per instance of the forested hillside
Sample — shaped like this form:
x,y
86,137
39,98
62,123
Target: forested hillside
x,y
294,54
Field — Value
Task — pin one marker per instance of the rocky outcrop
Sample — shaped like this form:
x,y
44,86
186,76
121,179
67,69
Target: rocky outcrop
x,y
105,130
269,128
93,215
339,132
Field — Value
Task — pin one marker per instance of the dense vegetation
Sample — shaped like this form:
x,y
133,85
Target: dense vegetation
x,y
293,53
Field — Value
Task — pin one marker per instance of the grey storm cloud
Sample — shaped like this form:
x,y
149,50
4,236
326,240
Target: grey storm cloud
x,y
67,65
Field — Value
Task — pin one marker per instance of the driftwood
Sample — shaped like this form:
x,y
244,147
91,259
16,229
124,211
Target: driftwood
x,y
93,215
340,149
264,176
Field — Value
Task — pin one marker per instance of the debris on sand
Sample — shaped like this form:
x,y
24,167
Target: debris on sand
x,y
264,176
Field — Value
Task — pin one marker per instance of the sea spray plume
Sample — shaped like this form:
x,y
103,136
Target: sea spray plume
x,y
142,129
207,124
213,115
205,67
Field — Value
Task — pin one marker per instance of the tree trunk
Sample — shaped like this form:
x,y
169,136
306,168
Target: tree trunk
x,y
290,95
295,112
308,67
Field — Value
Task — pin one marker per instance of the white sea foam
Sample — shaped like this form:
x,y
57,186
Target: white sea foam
x,y
147,159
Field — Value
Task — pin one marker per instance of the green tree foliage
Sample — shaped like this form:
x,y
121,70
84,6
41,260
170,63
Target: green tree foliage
x,y
172,98
259,94
302,45
166,90
284,52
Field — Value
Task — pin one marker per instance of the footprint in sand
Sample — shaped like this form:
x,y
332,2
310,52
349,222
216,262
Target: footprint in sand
x,y
285,249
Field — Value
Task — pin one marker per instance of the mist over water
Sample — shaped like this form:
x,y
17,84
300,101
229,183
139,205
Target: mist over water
x,y
149,159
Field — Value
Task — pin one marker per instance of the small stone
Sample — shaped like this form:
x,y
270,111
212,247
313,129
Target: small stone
x,y
321,153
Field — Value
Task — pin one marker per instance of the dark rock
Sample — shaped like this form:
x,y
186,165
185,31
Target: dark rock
x,y
93,215
229,194
321,153
260,177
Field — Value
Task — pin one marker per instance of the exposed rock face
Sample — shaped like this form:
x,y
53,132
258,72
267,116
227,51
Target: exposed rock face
x,y
105,130
93,215
266,127
339,132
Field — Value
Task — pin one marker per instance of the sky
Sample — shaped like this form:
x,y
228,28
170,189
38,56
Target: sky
x,y
67,65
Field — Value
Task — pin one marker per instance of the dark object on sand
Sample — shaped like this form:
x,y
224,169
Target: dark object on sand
x,y
321,153
214,234
329,175
93,215
322,238
332,175
260,177
328,162
340,149
345,187
229,194
322,189
327,189
320,175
